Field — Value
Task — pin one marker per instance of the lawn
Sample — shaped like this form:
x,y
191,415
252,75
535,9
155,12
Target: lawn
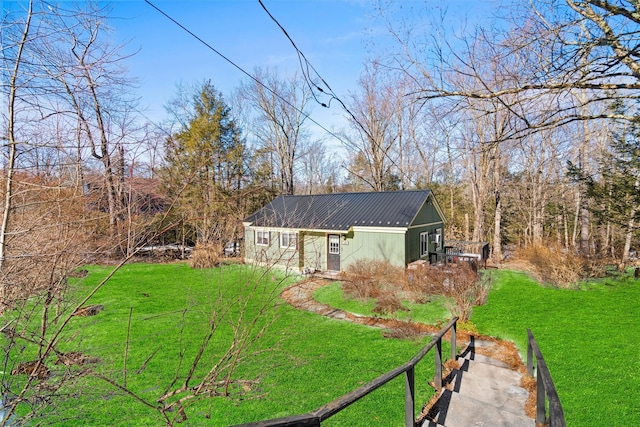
x,y
589,339
157,315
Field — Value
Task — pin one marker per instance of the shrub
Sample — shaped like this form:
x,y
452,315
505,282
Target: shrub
x,y
404,330
205,256
370,279
388,302
461,282
378,280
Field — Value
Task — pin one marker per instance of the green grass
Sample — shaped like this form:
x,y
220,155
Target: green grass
x,y
589,339
430,313
308,360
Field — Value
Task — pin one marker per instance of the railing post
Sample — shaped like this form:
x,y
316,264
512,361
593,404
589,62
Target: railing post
x,y
409,398
438,378
453,341
541,412
529,355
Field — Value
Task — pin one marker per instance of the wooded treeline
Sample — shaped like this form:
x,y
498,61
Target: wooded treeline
x,y
525,129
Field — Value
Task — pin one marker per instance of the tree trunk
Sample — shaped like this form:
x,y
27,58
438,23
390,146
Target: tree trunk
x,y
497,229
8,195
584,229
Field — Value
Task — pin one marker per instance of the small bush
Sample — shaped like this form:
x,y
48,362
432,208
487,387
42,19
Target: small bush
x,y
388,302
370,279
205,256
404,330
460,282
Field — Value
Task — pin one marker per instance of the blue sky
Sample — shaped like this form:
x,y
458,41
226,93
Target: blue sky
x,y
330,33
335,36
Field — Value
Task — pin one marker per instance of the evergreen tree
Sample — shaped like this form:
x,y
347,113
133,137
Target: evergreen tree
x,y
614,192
205,168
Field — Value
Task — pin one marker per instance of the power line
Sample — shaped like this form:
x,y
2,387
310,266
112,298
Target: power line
x,y
305,65
305,72
192,34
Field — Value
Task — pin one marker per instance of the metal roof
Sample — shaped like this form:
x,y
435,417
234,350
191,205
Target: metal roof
x,y
341,211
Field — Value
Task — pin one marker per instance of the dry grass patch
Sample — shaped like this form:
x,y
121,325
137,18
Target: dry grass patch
x,y
205,256
529,383
555,265
504,351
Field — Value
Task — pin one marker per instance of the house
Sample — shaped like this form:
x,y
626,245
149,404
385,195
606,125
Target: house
x,y
329,232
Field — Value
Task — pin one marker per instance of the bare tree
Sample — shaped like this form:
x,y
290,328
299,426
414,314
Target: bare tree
x,y
563,46
374,129
280,108
11,139
318,168
49,227
93,91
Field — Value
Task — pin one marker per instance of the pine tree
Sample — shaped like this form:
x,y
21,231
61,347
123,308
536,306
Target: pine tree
x,y
614,192
205,167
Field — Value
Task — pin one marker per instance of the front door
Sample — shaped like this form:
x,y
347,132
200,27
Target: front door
x,y
333,253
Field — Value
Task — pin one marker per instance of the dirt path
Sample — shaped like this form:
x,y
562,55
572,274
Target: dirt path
x,y
300,295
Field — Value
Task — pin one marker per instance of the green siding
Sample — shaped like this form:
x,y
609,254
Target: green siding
x,y
373,245
413,241
427,220
314,250
398,248
428,214
272,254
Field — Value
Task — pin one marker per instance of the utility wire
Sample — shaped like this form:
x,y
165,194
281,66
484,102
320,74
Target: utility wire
x,y
306,66
192,34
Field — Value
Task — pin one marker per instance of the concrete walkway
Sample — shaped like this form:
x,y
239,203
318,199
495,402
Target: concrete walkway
x,y
483,391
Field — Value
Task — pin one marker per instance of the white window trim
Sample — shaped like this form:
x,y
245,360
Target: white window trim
x,y
425,240
292,239
438,240
260,240
337,246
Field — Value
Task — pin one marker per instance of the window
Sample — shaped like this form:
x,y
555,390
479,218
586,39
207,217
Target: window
x,y
437,239
262,238
424,244
334,244
427,239
288,240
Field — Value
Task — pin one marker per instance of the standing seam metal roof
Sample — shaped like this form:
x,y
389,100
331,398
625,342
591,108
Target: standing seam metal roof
x,y
341,211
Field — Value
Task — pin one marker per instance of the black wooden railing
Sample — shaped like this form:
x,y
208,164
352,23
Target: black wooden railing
x,y
545,389
314,418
